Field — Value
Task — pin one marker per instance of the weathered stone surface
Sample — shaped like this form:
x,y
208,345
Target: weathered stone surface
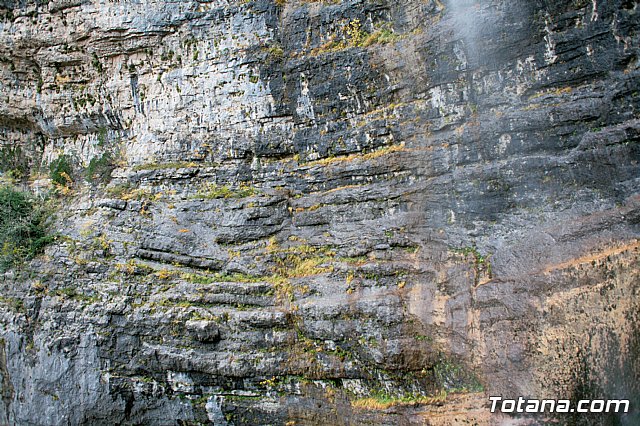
x,y
203,331
314,207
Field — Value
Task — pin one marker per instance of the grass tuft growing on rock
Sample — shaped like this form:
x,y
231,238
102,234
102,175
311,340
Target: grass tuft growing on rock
x,y
381,152
213,191
383,401
170,166
301,260
234,277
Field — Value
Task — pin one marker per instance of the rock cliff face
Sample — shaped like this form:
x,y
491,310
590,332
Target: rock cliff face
x,y
330,212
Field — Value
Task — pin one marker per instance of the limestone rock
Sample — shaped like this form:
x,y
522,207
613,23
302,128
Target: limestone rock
x,y
321,212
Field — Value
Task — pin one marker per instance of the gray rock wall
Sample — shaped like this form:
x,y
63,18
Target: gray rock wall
x,y
323,212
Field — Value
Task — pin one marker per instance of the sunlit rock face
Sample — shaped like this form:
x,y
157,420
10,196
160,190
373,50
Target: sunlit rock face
x,y
338,212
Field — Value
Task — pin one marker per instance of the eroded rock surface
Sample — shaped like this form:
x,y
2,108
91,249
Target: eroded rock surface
x,y
339,212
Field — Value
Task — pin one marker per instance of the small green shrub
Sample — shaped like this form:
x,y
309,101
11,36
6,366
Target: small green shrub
x,y
102,136
100,168
383,35
355,32
95,62
60,171
13,161
275,51
22,231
